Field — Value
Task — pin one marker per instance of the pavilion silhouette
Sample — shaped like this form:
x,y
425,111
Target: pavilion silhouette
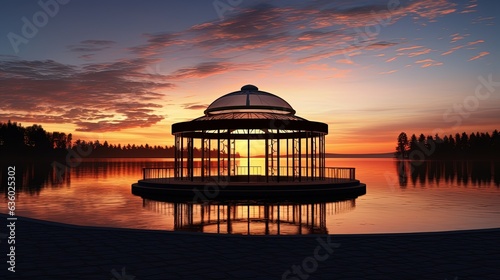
x,y
294,154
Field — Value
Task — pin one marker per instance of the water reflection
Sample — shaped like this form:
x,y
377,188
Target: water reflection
x,y
33,176
450,172
251,217
97,193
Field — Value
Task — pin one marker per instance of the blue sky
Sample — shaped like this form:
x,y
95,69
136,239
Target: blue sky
x,y
124,71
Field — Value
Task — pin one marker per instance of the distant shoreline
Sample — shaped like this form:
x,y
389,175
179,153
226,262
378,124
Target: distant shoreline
x,y
331,155
379,155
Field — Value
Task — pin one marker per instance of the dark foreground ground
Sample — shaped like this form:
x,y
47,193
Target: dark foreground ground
x,y
46,250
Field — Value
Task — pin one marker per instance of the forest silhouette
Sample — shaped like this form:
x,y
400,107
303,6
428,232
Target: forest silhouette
x,y
33,141
461,146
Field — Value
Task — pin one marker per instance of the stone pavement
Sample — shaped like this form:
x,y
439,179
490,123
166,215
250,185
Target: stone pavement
x,y
46,250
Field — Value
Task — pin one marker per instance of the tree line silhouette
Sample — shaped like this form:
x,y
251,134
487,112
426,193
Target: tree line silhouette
x,y
33,141
461,146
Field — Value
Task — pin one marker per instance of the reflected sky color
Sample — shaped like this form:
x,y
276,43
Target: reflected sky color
x,y
124,71
98,194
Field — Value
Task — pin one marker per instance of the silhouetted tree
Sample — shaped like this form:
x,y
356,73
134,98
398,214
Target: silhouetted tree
x,y
402,146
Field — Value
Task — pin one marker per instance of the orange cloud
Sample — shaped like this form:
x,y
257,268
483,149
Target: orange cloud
x,y
469,8
311,31
193,106
428,63
475,42
388,72
481,54
408,48
98,97
205,69
452,50
345,61
457,37
424,51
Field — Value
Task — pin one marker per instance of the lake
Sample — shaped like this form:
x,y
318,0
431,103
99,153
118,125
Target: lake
x,y
431,196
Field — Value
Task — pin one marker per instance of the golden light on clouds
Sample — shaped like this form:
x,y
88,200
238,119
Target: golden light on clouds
x,y
345,63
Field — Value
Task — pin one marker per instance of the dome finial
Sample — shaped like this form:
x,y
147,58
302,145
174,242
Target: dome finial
x,y
249,87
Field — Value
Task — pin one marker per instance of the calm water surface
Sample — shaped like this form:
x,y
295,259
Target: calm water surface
x,y
435,196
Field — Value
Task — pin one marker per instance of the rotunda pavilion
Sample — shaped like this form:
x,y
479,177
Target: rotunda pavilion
x,y
249,143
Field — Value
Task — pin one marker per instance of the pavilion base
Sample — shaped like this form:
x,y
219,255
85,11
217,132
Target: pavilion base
x,y
177,190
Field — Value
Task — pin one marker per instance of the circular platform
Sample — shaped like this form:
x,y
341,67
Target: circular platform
x,y
291,191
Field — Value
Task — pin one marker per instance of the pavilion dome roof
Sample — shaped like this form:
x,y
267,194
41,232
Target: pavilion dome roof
x,y
249,100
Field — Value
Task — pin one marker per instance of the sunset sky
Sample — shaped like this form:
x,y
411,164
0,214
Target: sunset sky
x,y
124,71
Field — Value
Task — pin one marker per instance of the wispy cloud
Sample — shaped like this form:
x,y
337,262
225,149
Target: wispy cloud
x,y
388,72
409,48
481,54
344,61
96,97
484,20
413,51
206,69
312,31
88,48
91,45
420,52
424,63
194,106
457,37
470,7
453,49
157,43
391,59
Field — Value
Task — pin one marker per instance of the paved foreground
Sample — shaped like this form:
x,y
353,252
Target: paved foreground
x,y
46,250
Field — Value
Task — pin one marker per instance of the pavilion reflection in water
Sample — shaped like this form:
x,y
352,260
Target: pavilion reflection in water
x,y
251,218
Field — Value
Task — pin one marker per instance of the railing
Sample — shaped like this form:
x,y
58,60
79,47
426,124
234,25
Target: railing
x,y
244,170
340,173
155,173
329,174
164,175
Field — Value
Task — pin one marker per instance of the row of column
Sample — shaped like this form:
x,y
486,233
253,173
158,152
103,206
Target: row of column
x,y
304,157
